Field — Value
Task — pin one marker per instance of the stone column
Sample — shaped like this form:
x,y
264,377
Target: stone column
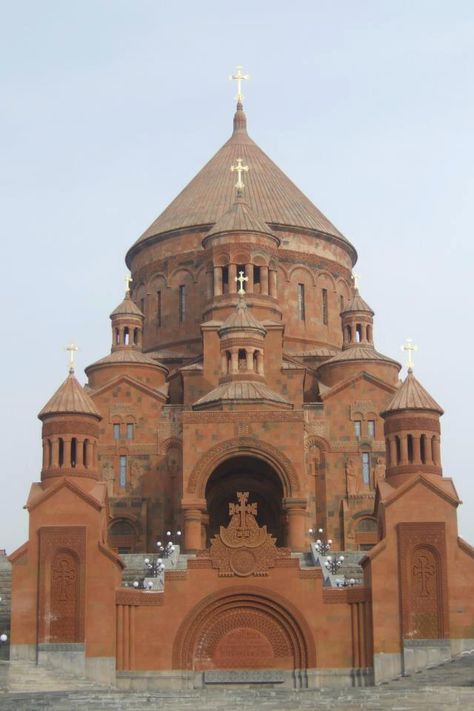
x,y
264,280
437,452
248,286
273,283
393,452
217,281
45,454
260,370
67,452
232,276
416,449
403,449
234,363
192,528
249,356
224,363
428,450
295,510
79,453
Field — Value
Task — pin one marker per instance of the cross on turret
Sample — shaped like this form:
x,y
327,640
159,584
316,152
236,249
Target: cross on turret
x,y
238,76
241,279
128,281
409,347
72,349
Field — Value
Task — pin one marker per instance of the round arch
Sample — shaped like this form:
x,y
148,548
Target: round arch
x,y
279,628
243,446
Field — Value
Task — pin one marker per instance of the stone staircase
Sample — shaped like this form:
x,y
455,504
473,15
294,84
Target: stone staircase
x,y
5,603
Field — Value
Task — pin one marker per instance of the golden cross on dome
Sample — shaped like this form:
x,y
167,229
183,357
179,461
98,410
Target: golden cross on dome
x,y
72,349
238,76
241,279
239,169
128,281
356,279
410,348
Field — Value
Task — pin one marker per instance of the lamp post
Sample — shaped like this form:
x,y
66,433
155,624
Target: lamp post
x,y
333,563
322,546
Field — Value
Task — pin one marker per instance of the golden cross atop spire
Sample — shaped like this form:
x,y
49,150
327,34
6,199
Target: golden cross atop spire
x,y
72,350
128,281
241,279
239,169
410,348
238,76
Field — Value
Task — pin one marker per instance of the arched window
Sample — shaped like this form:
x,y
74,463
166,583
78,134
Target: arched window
x,y
85,453
136,333
410,448
225,280
73,452
117,337
399,449
61,451
126,336
423,449
348,334
358,333
50,453
242,359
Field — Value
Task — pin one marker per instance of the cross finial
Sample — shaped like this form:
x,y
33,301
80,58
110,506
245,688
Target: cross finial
x,y
356,279
239,169
241,279
128,281
238,76
410,348
72,349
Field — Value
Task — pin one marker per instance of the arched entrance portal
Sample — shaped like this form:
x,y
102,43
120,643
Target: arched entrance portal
x,y
244,629
245,473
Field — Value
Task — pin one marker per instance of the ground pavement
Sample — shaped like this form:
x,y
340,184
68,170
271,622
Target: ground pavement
x,y
26,687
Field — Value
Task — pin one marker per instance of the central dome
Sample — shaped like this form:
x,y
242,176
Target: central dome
x,y
268,191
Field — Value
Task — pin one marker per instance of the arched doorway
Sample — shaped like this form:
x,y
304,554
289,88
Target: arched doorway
x,y
245,473
244,629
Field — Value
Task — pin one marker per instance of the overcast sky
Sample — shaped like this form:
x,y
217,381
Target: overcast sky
x,y
107,109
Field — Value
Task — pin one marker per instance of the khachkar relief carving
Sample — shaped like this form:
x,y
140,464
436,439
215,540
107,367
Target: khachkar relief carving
x,y
243,548
64,597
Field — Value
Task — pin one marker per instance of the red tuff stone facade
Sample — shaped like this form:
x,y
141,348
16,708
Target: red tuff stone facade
x,y
244,404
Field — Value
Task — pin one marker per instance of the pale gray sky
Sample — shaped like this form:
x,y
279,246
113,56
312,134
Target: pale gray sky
x,y
107,109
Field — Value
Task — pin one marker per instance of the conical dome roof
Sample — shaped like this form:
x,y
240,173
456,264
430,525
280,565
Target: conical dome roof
x,y
268,191
357,303
411,395
70,399
241,319
127,308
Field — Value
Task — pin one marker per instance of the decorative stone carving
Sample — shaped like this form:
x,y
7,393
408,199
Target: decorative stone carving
x,y
108,475
352,480
243,548
379,470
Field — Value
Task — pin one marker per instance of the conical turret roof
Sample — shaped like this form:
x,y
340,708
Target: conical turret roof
x,y
268,192
357,303
241,319
411,395
70,399
239,218
127,308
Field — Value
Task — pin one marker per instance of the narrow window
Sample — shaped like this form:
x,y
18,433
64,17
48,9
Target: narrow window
x,y
242,359
371,428
423,449
301,304
130,430
85,453
324,294
410,448
225,280
357,428
256,275
348,334
369,334
399,449
117,337
341,303
142,305
365,467
117,431
182,302
126,336
73,452
123,471
50,453
358,333
158,309
388,455
61,452
135,336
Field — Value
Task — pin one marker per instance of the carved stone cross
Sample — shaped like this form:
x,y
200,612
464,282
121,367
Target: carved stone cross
x,y
423,570
64,576
242,508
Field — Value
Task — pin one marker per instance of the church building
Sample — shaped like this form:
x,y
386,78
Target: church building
x,y
244,491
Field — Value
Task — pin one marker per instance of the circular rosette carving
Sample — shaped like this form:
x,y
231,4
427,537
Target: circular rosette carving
x,y
242,562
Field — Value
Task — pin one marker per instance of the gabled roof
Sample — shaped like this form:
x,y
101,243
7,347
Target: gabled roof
x,y
268,191
70,399
362,375
362,352
135,383
38,494
241,390
411,395
127,355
